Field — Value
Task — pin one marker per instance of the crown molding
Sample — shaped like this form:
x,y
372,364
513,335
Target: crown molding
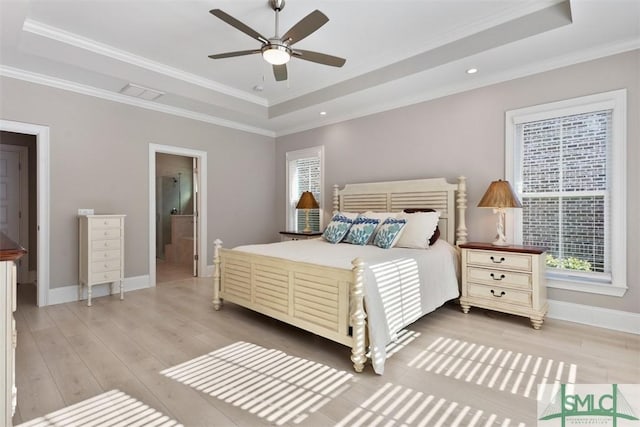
x,y
72,39
42,79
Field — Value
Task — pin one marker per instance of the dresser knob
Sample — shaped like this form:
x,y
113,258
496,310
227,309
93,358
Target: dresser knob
x,y
497,262
502,276
497,296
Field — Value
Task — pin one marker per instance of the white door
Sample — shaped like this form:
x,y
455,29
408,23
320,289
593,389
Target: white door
x,y
194,194
13,188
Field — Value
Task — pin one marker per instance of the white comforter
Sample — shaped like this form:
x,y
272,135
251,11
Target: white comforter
x,y
401,285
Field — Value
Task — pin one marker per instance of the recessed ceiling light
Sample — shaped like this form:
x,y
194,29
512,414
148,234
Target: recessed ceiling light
x,y
472,70
323,113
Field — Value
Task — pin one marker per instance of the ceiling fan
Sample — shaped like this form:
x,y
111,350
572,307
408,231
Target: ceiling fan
x,y
277,50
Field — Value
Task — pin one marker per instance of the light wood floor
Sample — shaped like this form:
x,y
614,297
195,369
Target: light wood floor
x,y
448,369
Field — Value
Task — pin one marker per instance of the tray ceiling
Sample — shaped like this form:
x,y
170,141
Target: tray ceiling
x,y
398,52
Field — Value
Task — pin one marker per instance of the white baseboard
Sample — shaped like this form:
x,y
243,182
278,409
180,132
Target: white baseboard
x,y
70,293
616,320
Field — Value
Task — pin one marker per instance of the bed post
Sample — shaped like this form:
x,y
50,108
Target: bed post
x,y
217,244
358,316
461,231
336,200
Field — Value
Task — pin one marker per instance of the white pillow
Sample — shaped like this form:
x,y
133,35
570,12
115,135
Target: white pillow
x,y
380,215
418,230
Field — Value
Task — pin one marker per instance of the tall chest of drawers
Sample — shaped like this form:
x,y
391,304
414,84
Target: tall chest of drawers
x,y
510,279
101,252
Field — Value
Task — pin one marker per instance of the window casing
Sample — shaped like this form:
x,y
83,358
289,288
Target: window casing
x,y
567,162
304,173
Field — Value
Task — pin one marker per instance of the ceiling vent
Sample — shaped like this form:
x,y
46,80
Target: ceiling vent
x,y
141,92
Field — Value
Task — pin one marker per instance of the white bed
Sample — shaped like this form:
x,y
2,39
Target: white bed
x,y
324,288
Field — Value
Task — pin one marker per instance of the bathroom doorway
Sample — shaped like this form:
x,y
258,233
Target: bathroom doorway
x,y
176,219
199,203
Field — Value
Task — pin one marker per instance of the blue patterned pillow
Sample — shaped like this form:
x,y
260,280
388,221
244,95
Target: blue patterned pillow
x,y
362,230
337,228
389,232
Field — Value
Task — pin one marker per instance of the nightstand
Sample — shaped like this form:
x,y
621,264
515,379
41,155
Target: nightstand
x,y
299,235
510,279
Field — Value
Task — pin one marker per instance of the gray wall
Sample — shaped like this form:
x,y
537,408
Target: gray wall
x,y
463,134
99,155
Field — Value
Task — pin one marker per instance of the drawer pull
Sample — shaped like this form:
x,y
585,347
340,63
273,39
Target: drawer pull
x,y
502,276
497,262
497,296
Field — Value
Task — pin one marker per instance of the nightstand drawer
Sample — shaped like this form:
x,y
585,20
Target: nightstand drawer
x,y
499,277
496,259
500,295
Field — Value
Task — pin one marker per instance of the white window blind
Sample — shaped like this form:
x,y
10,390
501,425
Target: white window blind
x,y
567,163
304,173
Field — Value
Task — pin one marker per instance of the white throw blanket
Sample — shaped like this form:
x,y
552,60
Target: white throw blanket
x,y
400,285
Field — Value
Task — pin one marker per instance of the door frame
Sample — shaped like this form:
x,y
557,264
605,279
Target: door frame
x,y
43,210
200,208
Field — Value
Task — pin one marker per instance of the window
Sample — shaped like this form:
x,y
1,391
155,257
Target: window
x,y
304,173
567,163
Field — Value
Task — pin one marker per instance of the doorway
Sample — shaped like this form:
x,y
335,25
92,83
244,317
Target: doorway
x,y
176,242
17,198
177,207
35,184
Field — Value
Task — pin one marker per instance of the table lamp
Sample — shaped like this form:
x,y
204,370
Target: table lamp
x,y
306,202
500,196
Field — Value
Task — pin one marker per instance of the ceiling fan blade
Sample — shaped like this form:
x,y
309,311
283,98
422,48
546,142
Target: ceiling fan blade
x,y
280,72
232,54
320,58
305,26
238,25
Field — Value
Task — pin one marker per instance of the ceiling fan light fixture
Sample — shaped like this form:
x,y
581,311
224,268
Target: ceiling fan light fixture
x,y
276,54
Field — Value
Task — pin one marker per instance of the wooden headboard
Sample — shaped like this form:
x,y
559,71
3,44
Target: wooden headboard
x,y
395,196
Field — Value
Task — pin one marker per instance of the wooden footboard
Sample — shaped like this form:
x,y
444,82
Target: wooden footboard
x,y
323,300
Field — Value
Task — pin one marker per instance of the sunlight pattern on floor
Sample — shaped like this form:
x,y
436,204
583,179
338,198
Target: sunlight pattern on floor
x,y
113,408
404,338
398,405
266,382
496,368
